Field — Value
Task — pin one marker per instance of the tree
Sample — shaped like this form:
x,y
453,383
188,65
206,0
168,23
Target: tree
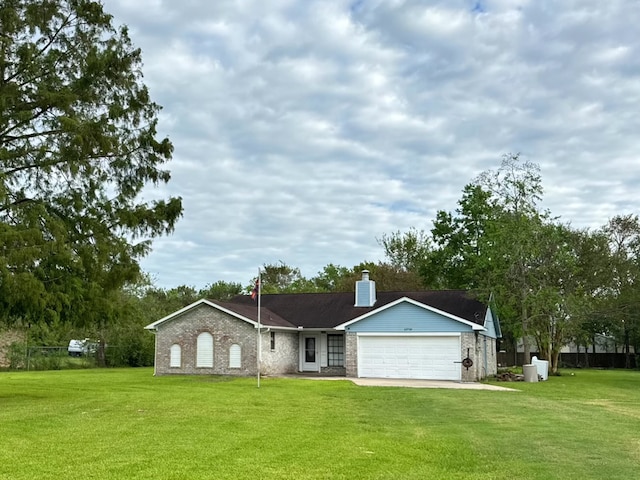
x,y
595,275
499,242
78,144
388,278
516,188
461,242
281,278
330,278
561,293
623,302
220,290
488,244
406,251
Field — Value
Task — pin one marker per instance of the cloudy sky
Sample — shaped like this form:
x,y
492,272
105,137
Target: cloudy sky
x,y
304,130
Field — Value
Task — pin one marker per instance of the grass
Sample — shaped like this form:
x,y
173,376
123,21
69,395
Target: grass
x,y
126,424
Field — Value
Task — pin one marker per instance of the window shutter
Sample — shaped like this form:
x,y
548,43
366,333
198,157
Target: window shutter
x,y
204,350
235,356
175,356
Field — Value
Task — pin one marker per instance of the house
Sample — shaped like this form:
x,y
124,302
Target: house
x,y
439,335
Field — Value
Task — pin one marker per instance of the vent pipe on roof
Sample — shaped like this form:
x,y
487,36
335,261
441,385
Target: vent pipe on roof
x,y
365,291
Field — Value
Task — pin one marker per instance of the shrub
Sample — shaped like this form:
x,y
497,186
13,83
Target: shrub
x,y
17,356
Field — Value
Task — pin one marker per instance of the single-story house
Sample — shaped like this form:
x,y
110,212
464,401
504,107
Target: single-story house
x,y
439,335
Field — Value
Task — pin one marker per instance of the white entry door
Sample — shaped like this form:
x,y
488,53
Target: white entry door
x,y
310,353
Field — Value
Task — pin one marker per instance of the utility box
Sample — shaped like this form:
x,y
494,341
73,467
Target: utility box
x,y
530,373
542,367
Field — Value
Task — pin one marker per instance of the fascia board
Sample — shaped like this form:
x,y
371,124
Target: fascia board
x,y
474,326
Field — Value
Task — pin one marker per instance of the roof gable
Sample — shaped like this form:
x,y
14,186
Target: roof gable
x,y
405,300
492,325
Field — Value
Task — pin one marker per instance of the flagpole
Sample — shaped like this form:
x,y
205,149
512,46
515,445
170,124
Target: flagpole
x,y
259,352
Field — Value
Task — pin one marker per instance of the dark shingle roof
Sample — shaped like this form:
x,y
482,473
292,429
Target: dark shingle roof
x,y
328,310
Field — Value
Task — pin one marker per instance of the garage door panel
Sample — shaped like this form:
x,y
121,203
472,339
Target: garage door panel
x,y
409,357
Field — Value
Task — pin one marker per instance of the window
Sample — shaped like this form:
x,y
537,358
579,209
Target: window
x,y
273,341
204,350
175,356
235,356
310,350
335,350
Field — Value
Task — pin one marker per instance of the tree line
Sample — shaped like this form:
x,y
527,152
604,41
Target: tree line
x,y
79,145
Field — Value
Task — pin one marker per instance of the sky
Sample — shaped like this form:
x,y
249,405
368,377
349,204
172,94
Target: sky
x,y
306,130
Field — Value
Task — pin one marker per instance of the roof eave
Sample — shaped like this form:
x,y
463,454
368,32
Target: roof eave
x,y
474,326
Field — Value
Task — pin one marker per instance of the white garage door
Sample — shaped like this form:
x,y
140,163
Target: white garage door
x,y
429,358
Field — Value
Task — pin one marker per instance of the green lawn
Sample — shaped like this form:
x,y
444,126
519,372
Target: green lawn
x,y
126,424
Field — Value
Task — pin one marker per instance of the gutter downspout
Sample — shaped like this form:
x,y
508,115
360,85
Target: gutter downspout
x,y
155,353
486,359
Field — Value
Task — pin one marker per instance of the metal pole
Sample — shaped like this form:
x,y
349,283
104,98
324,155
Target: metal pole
x,y
259,359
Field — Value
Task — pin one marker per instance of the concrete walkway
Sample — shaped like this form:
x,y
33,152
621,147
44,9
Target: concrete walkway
x,y
408,383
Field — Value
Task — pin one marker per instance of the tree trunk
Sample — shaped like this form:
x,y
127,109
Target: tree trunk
x,y
554,361
586,356
526,357
627,357
101,357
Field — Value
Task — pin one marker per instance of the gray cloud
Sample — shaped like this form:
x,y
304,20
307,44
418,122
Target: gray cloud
x,y
304,130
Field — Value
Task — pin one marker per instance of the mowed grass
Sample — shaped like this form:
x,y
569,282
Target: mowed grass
x,y
127,424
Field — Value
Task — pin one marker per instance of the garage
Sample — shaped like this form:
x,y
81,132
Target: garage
x,y
403,356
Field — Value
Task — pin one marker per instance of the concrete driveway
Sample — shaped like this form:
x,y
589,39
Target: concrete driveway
x,y
398,382
391,382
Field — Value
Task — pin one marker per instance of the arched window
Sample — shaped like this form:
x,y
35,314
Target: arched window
x,y
175,356
235,356
204,350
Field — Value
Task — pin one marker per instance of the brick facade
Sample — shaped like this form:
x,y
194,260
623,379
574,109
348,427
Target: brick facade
x,y
284,357
468,341
492,358
484,361
351,354
226,331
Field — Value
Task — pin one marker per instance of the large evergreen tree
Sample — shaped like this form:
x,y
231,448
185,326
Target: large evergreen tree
x,y
78,144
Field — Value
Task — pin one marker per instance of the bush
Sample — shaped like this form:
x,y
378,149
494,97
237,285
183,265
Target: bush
x,y
17,356
131,350
41,359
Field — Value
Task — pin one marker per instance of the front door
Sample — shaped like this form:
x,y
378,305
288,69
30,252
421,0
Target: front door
x,y
310,354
